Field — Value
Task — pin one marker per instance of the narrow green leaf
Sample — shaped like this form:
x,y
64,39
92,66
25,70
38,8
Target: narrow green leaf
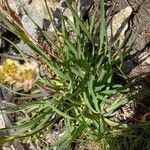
x,y
60,112
87,103
92,23
19,50
118,103
102,26
79,21
102,129
78,131
71,47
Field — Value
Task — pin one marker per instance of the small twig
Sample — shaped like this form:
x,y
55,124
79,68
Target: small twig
x,y
10,56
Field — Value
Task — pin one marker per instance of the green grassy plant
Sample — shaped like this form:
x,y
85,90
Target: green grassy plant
x,y
82,82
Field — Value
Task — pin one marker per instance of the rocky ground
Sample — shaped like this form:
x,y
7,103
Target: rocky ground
x,y
138,63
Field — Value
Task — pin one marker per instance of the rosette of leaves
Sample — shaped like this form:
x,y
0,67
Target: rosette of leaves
x,y
83,80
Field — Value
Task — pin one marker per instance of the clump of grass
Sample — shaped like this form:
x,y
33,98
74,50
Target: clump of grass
x,y
82,83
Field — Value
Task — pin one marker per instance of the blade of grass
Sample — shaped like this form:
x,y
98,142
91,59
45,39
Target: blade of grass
x,y
19,50
79,21
102,26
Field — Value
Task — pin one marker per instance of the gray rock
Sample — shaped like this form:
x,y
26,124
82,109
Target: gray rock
x,y
38,12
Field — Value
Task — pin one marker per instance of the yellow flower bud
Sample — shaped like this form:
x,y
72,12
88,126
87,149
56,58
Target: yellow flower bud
x,y
10,70
27,75
21,76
